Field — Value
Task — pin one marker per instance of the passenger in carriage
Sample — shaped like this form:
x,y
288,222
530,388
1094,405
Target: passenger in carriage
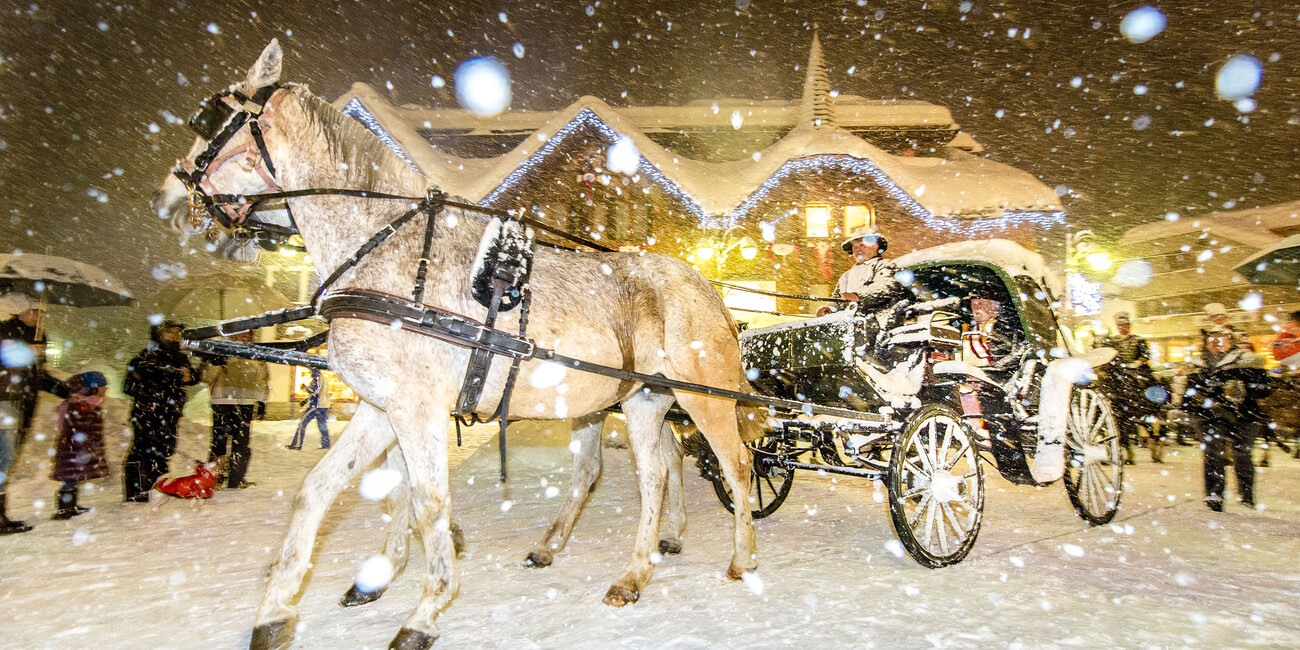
x,y
871,281
996,343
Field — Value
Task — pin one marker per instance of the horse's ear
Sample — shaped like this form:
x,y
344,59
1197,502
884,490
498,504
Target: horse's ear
x,y
266,71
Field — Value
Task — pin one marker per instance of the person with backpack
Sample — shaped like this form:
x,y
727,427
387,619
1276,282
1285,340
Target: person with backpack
x,y
156,381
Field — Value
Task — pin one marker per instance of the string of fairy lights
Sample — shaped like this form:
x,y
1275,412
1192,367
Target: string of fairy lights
x,y
588,119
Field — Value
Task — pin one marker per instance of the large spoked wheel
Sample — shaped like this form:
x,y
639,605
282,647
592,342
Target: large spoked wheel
x,y
769,483
936,487
1094,472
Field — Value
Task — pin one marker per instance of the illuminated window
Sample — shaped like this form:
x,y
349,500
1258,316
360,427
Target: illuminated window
x,y
748,305
858,215
818,218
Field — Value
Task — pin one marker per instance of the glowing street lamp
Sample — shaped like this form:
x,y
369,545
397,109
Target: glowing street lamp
x,y
1099,260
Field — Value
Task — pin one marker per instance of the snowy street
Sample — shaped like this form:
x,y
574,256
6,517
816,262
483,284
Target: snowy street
x,y
1168,572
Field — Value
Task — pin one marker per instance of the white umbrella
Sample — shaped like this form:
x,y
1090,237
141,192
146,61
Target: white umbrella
x,y
217,296
61,281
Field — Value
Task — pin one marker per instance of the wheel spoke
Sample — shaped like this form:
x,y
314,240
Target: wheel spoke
x,y
912,493
950,463
920,510
957,527
936,522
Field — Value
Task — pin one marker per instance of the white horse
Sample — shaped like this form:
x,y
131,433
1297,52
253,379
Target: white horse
x,y
650,314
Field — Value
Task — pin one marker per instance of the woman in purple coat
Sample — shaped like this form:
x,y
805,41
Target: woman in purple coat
x,y
80,453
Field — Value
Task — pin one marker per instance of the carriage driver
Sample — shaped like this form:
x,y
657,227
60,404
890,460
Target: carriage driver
x,y
870,281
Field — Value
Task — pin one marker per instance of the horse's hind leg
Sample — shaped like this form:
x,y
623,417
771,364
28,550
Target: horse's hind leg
x,y
716,417
645,415
586,469
365,437
397,546
670,540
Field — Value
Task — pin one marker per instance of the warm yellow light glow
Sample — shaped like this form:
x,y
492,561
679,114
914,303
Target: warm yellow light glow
x,y
748,249
1099,260
288,252
858,216
704,252
818,219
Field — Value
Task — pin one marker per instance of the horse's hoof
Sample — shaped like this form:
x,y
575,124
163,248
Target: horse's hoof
x,y
618,596
408,639
670,546
539,559
457,540
271,636
738,573
355,597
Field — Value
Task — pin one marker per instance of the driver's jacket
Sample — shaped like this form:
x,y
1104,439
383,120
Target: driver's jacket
x,y
873,281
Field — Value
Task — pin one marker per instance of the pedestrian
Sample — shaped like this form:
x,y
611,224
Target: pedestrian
x,y
1224,386
22,374
79,455
237,386
1126,380
1218,315
317,407
156,381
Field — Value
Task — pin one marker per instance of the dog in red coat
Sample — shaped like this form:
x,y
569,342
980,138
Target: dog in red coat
x,y
196,487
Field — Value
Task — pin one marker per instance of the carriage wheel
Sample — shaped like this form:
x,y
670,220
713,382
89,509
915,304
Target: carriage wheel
x,y
1094,473
936,487
769,483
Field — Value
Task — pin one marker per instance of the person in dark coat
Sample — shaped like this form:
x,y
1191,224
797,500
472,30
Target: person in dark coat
x,y
22,374
156,380
1125,381
1224,387
79,455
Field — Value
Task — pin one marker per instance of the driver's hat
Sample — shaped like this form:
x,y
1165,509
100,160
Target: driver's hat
x,y
1122,318
868,233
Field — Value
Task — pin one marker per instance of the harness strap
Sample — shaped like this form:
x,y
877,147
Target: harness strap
x,y
237,325
464,332
370,245
417,294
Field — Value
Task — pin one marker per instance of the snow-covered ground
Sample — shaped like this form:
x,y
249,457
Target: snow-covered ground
x,y
1168,573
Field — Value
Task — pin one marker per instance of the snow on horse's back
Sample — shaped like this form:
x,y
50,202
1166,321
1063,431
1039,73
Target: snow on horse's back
x,y
646,313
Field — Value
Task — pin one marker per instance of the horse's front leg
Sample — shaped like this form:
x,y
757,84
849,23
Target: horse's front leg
x,y
586,469
364,438
645,415
670,540
420,421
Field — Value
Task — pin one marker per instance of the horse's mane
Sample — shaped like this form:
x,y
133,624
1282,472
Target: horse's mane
x,y
371,164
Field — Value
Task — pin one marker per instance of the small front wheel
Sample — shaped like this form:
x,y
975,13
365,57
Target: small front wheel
x,y
936,487
769,482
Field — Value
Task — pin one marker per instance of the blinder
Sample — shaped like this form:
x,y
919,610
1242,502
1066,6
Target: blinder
x,y
218,120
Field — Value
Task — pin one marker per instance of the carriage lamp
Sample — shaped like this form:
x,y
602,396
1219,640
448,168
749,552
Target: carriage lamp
x,y
1099,260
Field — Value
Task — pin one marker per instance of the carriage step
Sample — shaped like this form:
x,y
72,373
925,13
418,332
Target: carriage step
x,y
872,474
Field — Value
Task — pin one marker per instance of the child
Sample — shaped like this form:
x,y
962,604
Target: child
x,y
80,454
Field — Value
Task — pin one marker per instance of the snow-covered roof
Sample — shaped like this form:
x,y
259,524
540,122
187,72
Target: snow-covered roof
x,y
1010,256
969,187
1253,227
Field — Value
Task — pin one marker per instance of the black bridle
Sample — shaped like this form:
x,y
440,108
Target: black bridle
x,y
217,121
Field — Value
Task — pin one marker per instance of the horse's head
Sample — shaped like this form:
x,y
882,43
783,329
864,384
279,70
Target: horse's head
x,y
229,157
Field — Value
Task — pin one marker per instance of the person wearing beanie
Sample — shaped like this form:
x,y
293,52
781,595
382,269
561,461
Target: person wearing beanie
x,y
79,455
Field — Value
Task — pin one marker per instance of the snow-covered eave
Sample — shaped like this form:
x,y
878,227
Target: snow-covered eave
x,y
929,188
1252,227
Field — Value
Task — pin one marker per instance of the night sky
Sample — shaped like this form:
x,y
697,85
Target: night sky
x,y
88,90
